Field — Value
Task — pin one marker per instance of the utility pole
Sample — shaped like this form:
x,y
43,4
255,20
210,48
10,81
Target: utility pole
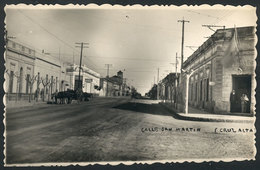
x,y
108,65
80,61
158,83
176,81
188,74
73,57
182,39
176,64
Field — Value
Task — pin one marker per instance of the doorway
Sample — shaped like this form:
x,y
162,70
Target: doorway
x,y
242,85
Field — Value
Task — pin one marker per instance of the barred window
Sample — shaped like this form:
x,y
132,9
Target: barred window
x,y
11,81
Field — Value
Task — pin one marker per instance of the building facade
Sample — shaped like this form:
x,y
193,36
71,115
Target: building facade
x,y
89,80
224,63
30,74
19,64
168,87
114,86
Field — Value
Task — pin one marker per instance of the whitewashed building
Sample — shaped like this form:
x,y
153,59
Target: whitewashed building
x,y
89,79
30,72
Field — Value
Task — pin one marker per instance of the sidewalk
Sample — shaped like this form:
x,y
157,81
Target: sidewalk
x,y
200,115
23,103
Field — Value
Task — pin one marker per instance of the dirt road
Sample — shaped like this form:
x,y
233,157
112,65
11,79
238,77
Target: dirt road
x,y
115,129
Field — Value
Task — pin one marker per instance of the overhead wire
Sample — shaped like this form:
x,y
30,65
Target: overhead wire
x,y
46,30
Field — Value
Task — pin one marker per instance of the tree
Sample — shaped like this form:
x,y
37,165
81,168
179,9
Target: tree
x,y
37,88
30,80
45,82
18,76
153,92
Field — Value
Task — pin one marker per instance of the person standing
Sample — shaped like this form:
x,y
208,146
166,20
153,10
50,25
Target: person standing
x,y
233,100
244,101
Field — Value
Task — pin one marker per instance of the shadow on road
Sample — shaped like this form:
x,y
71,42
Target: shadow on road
x,y
155,109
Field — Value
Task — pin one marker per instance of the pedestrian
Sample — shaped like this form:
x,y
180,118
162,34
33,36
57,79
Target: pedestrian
x,y
244,101
233,101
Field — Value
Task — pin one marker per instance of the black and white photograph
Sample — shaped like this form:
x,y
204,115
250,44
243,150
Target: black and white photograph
x,y
103,84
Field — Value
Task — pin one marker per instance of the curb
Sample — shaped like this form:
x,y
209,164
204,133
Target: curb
x,y
181,117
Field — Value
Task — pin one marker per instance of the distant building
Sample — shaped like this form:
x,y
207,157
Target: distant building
x,y
89,80
107,87
168,87
114,86
225,62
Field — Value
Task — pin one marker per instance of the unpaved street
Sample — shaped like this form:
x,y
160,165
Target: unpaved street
x,y
115,129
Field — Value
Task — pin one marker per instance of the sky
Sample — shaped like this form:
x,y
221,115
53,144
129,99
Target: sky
x,y
137,40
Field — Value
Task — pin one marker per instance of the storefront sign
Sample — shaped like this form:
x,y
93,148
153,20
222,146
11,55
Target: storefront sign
x,y
88,80
211,83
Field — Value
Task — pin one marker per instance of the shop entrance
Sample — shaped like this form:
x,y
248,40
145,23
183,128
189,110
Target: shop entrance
x,y
242,85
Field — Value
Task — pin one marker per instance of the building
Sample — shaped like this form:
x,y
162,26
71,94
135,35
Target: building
x,y
31,74
48,72
168,87
19,65
114,86
223,63
107,87
89,80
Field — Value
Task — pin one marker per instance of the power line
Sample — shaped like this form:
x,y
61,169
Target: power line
x,y
145,59
47,30
202,14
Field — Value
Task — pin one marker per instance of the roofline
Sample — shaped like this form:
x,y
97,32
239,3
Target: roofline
x,y
207,41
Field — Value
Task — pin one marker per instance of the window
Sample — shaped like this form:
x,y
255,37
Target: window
x,y
30,51
201,90
56,84
207,89
191,92
27,83
51,83
22,48
11,81
196,91
20,80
